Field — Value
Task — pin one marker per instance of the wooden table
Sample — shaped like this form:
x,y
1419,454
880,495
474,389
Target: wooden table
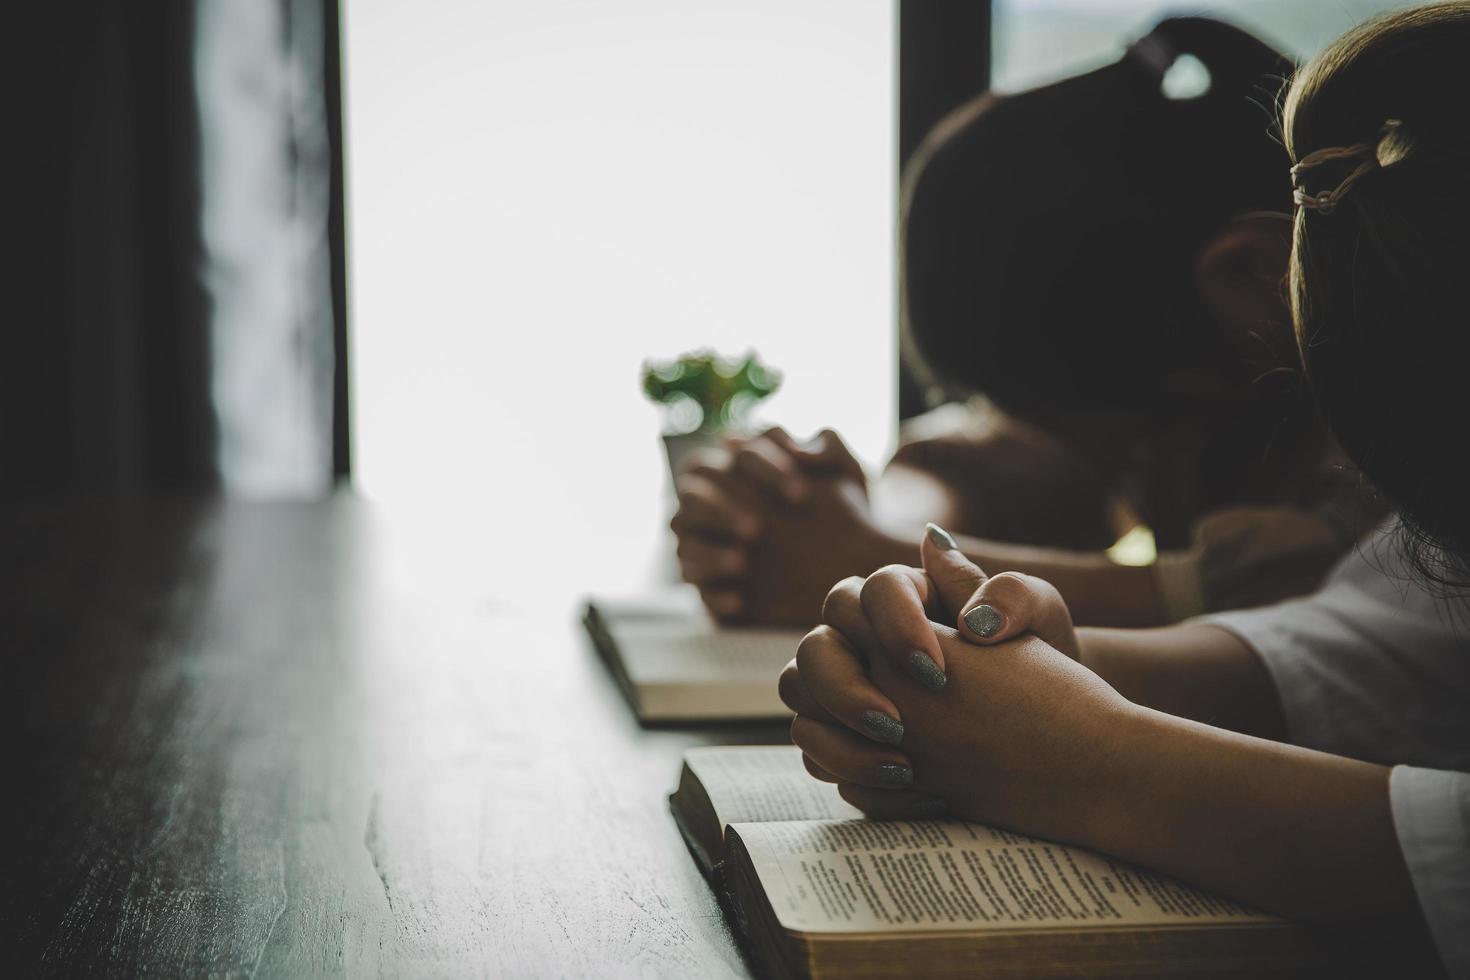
x,y
276,740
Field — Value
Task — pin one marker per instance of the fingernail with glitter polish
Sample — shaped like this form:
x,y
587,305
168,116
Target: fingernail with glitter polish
x,y
882,728
926,671
941,538
893,774
984,620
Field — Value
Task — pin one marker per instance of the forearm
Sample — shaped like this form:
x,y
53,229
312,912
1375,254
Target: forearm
x,y
1197,671
1098,591
1301,833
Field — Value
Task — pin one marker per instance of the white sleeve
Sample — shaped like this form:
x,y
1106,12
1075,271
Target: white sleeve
x,y
1431,816
1349,691
1371,667
1377,668
1289,638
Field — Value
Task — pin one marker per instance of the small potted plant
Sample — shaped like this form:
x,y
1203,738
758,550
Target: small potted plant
x,y
705,396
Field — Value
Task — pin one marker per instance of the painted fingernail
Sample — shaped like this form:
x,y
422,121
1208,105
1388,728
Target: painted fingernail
x,y
926,671
984,620
931,810
882,728
941,538
893,774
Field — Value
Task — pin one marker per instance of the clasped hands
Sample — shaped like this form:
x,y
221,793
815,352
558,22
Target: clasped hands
x,y
992,720
767,524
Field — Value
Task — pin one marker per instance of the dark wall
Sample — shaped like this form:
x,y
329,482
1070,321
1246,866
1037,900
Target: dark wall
x,y
104,372
943,61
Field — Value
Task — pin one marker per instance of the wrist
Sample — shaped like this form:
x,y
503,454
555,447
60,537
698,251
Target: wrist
x,y
1119,777
1298,832
1089,651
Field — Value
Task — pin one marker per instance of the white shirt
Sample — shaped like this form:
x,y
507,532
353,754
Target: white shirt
x,y
1375,667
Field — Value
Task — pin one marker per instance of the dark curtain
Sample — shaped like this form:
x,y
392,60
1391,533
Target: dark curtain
x,y
104,370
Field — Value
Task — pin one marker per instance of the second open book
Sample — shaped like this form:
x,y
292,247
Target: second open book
x,y
819,891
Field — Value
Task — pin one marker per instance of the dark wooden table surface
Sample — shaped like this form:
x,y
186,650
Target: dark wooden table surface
x,y
279,740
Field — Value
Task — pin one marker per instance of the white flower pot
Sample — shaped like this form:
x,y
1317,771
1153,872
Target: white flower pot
x,y
678,448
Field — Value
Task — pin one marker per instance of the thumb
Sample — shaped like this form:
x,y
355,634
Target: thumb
x,y
990,610
826,451
956,579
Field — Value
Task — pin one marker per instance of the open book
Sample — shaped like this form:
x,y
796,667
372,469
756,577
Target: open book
x,y
820,892
676,664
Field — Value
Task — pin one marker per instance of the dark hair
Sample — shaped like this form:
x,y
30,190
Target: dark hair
x,y
1049,237
1379,287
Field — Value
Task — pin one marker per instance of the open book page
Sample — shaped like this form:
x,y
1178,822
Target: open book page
x,y
870,876
752,784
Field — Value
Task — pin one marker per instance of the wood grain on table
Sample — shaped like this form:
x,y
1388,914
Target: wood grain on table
x,y
272,739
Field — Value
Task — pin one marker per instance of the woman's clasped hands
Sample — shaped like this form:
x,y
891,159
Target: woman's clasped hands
x,y
992,720
766,524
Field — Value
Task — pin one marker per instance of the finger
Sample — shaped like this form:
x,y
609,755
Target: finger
x,y
1010,604
834,677
843,611
766,465
999,607
850,757
705,508
794,694
893,602
707,560
723,602
705,459
955,577
827,451
729,484
823,453
817,771
893,804
783,440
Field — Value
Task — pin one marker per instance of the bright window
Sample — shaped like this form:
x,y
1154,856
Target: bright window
x,y
541,195
1037,41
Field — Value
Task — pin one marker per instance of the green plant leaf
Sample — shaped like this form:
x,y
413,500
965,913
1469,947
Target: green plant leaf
x,y
724,389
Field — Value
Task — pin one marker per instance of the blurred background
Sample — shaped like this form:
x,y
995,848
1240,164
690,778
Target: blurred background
x,y
544,194
276,245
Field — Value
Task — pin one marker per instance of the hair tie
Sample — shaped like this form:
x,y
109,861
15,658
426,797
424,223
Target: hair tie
x,y
1370,157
